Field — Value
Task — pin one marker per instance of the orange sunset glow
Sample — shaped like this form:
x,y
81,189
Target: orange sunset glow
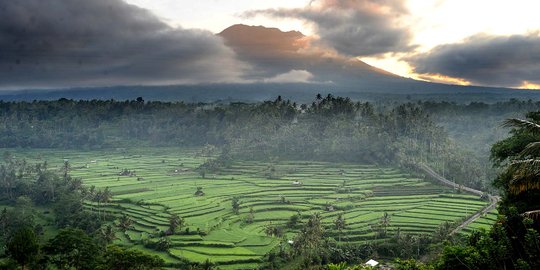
x,y
433,23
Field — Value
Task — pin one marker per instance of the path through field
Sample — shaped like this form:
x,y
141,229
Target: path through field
x,y
494,200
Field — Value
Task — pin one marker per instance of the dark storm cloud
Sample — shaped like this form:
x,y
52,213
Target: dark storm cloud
x,y
103,42
486,60
354,27
277,56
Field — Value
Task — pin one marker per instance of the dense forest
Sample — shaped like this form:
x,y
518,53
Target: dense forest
x,y
452,138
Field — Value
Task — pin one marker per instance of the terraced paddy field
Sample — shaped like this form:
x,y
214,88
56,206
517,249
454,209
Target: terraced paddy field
x,y
483,223
163,181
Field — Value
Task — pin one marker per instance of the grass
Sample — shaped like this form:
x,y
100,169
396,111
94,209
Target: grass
x,y
165,181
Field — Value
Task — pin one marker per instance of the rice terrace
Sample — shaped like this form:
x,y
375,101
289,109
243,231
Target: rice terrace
x,y
150,185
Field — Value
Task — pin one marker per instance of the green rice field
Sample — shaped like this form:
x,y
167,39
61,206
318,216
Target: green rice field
x,y
483,223
164,182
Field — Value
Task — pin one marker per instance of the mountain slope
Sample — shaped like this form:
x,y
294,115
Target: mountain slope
x,y
271,52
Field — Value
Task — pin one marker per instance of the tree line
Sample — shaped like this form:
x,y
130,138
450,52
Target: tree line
x,y
330,128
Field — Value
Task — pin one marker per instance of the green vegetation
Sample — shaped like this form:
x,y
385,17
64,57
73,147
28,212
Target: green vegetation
x,y
513,242
23,246
484,223
269,185
155,208
44,222
329,129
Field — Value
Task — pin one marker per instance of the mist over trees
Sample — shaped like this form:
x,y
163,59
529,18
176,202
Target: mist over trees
x,y
449,137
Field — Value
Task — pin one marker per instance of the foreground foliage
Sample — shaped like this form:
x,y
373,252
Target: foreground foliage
x,y
514,242
32,192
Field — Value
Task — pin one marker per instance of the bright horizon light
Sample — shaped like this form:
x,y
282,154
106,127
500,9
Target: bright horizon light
x,y
432,23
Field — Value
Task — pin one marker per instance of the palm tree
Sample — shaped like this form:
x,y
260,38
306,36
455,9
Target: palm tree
x,y
235,205
97,198
65,169
310,237
175,222
108,234
75,185
384,223
340,225
106,195
125,222
524,168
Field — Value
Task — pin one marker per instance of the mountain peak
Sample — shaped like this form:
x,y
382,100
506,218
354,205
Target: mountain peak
x,y
271,52
257,30
249,38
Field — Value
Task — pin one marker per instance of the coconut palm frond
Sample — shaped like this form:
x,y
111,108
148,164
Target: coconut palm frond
x,y
526,175
525,167
531,150
522,124
535,214
521,184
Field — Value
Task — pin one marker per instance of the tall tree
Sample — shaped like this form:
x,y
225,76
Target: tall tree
x,y
107,233
519,180
23,247
175,222
122,259
384,222
125,222
106,195
65,169
294,220
250,216
73,248
340,224
308,242
235,205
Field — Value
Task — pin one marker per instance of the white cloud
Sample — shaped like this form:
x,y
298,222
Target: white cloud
x,y
293,76
353,27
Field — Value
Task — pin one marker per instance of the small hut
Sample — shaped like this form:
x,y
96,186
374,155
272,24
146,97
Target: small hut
x,y
372,263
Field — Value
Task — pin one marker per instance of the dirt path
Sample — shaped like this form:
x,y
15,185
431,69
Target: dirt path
x,y
492,199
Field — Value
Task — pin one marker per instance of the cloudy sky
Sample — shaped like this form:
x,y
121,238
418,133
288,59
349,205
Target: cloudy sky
x,y
64,43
